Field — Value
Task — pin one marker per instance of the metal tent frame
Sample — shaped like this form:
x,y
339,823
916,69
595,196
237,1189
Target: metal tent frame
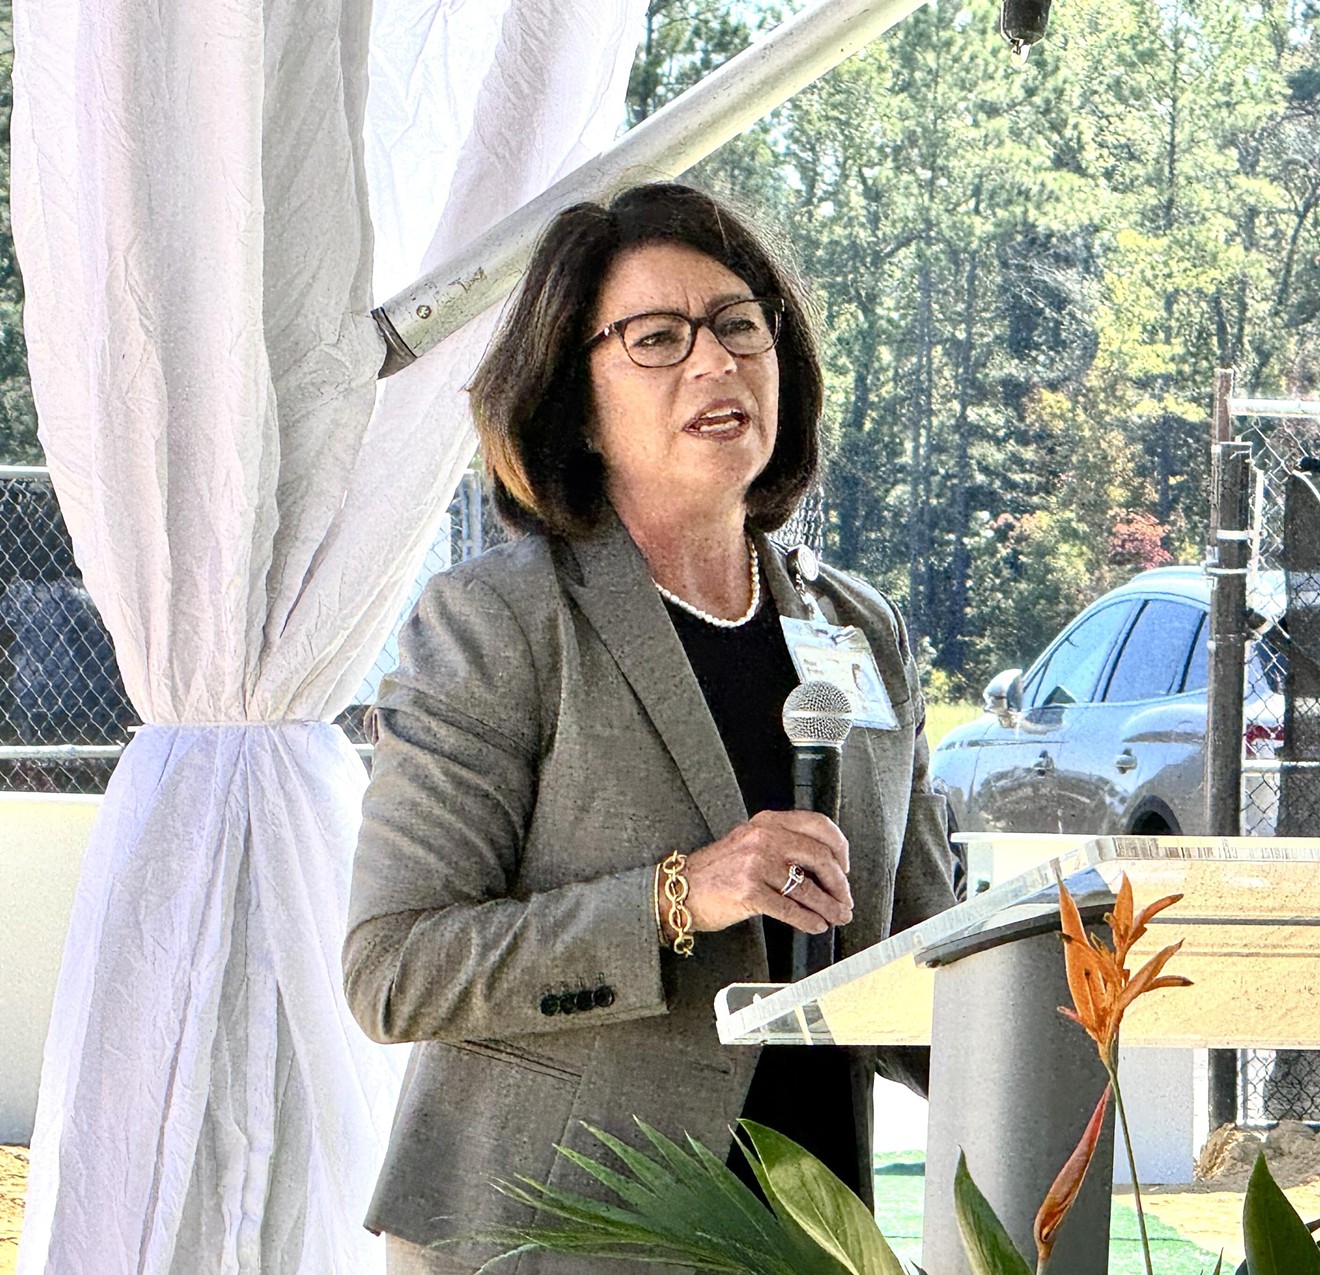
x,y
684,131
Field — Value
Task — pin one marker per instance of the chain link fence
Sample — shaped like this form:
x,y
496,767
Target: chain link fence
x,y
1281,736
1279,447
64,714
807,525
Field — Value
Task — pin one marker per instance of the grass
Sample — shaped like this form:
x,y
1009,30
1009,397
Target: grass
x,y
942,718
900,1186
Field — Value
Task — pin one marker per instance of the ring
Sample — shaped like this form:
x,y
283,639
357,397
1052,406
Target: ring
x,y
795,878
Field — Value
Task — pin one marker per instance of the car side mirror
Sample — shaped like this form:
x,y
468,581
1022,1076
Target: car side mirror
x,y
1003,697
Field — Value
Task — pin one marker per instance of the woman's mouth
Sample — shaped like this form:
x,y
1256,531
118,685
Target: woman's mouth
x,y
719,423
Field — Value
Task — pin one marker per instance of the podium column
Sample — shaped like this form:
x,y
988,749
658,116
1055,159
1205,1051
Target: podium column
x,y
1013,1083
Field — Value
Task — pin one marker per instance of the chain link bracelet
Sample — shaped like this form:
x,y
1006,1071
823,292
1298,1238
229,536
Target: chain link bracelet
x,y
676,891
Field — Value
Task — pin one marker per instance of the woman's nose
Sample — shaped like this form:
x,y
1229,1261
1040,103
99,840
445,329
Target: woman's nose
x,y
709,357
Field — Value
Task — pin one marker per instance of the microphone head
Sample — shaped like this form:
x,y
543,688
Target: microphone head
x,y
818,713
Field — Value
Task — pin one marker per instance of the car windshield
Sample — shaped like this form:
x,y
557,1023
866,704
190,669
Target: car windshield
x,y
1156,652
1071,670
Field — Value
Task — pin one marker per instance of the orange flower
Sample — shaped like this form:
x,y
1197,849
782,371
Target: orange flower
x,y
1059,1199
1102,987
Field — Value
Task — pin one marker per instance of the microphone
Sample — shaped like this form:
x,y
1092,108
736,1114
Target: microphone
x,y
817,718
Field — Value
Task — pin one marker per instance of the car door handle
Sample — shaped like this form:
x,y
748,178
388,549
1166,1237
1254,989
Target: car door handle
x,y
1125,761
1043,764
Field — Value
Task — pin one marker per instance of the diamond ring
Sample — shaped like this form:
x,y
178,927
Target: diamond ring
x,y
795,878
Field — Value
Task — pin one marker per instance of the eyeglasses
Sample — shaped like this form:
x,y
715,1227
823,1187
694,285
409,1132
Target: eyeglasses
x,y
743,328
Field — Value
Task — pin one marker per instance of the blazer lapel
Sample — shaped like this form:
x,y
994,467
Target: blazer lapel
x,y
787,599
619,601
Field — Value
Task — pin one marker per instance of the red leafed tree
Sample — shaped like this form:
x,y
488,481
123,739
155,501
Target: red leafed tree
x,y
1137,540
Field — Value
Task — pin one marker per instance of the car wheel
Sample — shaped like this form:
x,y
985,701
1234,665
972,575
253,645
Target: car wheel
x,y
1154,824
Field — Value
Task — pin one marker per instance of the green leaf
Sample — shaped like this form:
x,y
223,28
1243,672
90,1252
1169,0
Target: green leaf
x,y
1276,1239
655,1176
822,1205
988,1246
685,1209
742,1196
803,1242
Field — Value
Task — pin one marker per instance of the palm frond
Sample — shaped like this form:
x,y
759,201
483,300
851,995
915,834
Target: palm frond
x,y
679,1206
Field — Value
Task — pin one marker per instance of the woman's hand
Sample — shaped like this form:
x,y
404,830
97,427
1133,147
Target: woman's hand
x,y
741,875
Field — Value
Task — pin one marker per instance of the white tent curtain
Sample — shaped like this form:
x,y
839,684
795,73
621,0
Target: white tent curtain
x,y
190,208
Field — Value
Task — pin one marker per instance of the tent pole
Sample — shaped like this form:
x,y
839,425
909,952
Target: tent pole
x,y
686,130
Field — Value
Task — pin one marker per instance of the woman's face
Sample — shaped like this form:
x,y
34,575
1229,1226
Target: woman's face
x,y
689,437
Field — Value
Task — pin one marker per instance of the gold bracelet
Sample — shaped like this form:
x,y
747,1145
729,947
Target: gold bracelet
x,y
676,891
655,903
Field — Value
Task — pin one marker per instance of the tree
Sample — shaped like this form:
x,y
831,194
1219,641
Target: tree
x,y
1027,277
18,414
683,42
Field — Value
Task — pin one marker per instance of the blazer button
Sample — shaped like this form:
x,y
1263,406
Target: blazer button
x,y
584,1000
568,1002
549,1005
603,997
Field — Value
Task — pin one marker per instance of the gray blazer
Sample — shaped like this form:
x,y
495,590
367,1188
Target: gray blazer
x,y
543,743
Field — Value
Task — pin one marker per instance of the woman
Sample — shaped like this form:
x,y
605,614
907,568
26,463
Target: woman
x,y
576,711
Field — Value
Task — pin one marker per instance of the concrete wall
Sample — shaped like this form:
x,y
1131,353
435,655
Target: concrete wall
x,y
42,839
1165,1091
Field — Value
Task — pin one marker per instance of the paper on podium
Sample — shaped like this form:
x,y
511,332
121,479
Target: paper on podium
x,y
1249,921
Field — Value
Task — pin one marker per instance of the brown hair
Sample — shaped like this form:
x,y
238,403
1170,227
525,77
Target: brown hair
x,y
531,394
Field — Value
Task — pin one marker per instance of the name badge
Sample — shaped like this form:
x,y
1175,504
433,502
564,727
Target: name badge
x,y
841,655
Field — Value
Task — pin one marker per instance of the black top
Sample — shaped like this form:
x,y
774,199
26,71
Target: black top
x,y
746,674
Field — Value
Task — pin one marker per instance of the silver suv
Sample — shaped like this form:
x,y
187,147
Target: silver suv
x,y
1105,733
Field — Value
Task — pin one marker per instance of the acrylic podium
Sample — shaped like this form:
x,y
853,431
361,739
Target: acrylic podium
x,y
1012,1081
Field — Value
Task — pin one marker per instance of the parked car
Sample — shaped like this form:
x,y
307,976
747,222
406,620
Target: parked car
x,y
1105,733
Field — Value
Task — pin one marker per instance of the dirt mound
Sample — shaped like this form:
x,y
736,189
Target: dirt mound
x,y
1291,1150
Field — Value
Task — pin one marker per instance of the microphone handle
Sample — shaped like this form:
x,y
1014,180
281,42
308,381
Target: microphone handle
x,y
815,787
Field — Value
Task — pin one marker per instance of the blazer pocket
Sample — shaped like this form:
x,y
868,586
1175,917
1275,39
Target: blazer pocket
x,y
901,699
878,737
502,1052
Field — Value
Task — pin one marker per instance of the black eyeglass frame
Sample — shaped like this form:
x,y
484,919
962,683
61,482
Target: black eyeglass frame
x,y
773,305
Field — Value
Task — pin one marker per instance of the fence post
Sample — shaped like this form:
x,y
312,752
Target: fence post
x,y
1223,1087
1230,516
1222,423
1230,554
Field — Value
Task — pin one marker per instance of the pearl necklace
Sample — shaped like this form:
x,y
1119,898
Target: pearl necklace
x,y
716,620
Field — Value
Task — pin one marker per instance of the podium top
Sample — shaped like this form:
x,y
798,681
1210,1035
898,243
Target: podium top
x,y
1250,922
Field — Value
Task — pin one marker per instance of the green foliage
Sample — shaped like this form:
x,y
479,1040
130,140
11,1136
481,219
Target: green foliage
x,y
989,1249
683,1206
800,1187
682,42
1036,572
679,1206
1276,1239
938,686
1027,277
